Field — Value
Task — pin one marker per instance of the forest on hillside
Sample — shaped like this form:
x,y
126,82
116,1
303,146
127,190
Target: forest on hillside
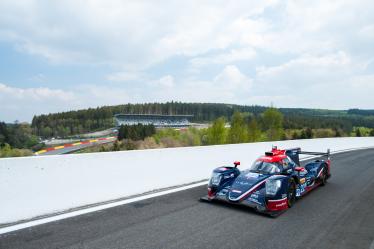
x,y
247,124
82,121
243,128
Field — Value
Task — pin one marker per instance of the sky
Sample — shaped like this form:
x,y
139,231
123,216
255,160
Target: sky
x,y
66,55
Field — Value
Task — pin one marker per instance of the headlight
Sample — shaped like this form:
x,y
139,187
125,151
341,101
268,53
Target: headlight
x,y
272,186
215,179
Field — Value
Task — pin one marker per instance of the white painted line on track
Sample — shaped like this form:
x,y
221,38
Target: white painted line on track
x,y
57,217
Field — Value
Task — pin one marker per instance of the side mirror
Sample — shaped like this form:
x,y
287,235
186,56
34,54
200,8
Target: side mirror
x,y
236,163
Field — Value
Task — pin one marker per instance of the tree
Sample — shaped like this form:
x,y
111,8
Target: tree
x,y
217,132
306,133
4,133
273,122
5,150
371,133
238,132
116,146
136,132
295,135
338,132
254,132
358,132
46,132
61,131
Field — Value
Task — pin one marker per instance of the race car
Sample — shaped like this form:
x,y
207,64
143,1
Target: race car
x,y
272,184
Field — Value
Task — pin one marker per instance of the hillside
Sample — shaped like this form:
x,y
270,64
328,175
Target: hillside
x,y
93,119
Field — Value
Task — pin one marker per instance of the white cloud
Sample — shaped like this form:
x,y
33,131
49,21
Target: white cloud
x,y
38,78
305,63
54,55
116,32
23,103
38,94
123,76
166,81
142,33
97,95
286,52
230,86
232,78
332,81
234,55
367,32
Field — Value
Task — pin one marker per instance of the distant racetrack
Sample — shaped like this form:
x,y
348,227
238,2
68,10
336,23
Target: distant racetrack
x,y
69,148
338,215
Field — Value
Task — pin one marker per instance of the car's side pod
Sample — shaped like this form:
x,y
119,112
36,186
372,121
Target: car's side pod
x,y
322,163
316,165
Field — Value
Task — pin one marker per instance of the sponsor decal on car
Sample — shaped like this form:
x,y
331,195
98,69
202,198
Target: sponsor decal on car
x,y
254,200
302,180
243,183
228,176
236,191
301,189
276,205
282,204
251,175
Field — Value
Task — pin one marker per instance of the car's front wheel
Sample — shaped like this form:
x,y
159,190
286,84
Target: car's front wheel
x,y
291,192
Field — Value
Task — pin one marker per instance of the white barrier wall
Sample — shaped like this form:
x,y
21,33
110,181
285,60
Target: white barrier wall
x,y
34,186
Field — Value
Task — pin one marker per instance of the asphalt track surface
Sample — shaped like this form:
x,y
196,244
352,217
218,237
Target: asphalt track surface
x,y
338,215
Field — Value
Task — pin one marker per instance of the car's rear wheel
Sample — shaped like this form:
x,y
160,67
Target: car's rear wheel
x,y
323,176
291,193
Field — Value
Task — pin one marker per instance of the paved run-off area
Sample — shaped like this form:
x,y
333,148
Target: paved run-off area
x,y
339,215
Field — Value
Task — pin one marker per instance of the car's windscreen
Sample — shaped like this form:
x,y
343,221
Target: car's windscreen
x,y
265,167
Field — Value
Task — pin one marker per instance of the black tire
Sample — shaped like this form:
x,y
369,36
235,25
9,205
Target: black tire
x,y
323,177
291,192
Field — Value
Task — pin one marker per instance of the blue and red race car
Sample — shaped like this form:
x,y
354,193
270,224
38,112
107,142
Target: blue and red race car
x,y
272,184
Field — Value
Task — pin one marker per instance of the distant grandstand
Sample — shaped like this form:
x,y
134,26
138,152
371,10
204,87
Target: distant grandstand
x,y
173,121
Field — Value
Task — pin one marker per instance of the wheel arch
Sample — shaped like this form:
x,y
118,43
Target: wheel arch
x,y
296,179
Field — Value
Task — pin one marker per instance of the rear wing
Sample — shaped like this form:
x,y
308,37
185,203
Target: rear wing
x,y
295,152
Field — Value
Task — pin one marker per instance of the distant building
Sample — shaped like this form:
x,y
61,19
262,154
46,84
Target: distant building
x,y
155,119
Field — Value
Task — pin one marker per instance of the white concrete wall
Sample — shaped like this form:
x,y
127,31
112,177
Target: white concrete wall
x,y
33,186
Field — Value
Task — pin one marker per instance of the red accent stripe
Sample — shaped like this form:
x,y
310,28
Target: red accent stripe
x,y
85,142
210,193
68,145
277,205
308,189
50,149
